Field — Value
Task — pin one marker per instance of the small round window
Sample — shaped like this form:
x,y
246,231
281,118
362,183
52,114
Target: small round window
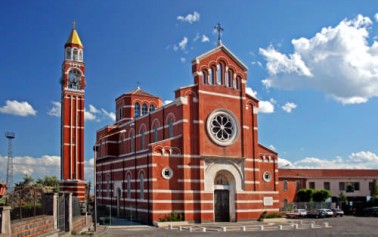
x,y
167,173
222,127
267,176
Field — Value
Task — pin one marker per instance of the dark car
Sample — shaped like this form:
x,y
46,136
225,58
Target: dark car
x,y
316,214
337,212
369,211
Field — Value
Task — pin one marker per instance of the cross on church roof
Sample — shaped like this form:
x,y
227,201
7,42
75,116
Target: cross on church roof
x,y
74,24
219,30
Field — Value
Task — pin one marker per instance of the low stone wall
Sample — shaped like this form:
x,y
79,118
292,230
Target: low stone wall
x,y
81,222
32,226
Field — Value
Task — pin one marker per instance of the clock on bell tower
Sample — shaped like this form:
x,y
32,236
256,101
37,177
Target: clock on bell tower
x,y
72,117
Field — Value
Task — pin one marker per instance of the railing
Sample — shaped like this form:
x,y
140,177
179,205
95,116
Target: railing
x,y
25,202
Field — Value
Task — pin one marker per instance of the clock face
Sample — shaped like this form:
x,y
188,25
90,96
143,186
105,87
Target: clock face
x,y
222,127
74,79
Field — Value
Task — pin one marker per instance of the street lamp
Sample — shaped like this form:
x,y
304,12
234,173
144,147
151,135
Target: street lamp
x,y
95,150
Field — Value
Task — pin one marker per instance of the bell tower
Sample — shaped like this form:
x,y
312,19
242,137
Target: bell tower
x,y
72,117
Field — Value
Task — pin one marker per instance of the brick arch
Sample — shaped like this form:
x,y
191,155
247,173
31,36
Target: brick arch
x,y
143,126
154,122
169,116
131,132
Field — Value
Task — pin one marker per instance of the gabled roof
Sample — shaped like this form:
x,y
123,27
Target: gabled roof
x,y
139,92
227,51
74,38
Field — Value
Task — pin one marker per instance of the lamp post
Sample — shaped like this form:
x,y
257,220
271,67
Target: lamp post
x,y
95,149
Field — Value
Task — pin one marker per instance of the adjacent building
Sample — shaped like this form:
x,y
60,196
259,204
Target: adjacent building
x,y
355,184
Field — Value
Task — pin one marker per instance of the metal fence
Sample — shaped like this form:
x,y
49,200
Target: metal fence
x,y
308,206
25,202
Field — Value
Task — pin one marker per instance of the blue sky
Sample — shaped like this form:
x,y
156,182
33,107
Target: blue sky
x,y
312,64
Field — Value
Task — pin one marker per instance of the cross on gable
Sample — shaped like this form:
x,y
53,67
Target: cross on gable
x,y
219,30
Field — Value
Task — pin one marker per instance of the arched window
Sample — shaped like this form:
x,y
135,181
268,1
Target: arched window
x,y
286,202
230,78
204,77
80,55
141,178
128,186
75,54
143,141
170,127
211,75
132,141
68,53
152,107
144,109
285,185
156,133
227,79
219,74
235,83
136,110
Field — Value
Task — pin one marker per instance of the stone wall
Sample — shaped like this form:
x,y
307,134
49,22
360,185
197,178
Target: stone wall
x,y
32,226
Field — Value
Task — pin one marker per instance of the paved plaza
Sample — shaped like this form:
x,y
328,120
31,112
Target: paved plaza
x,y
342,226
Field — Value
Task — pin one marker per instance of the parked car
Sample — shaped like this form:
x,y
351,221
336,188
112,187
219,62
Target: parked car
x,y
299,213
337,212
369,211
316,214
328,212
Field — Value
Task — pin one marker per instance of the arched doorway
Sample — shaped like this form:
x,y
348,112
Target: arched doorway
x,y
222,195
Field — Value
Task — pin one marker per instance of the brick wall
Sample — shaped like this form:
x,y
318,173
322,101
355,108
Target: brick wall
x,y
32,226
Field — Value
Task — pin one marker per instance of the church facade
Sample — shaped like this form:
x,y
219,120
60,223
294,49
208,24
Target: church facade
x,y
198,156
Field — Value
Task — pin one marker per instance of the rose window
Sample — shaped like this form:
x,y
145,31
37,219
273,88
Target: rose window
x,y
222,128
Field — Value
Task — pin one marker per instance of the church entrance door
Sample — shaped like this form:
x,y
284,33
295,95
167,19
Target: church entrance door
x,y
222,205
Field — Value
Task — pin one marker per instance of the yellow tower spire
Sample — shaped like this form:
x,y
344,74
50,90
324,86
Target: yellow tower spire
x,y
74,37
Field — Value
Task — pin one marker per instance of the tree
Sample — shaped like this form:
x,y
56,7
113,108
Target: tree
x,y
342,199
304,195
28,181
320,195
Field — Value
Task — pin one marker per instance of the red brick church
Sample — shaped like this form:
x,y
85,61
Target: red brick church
x,y
198,156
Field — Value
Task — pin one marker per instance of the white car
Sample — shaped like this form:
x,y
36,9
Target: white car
x,y
302,212
327,212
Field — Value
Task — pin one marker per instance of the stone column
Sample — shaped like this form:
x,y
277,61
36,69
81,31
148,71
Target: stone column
x,y
5,220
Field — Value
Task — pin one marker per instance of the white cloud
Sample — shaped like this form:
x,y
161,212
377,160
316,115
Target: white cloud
x,y
272,147
93,109
89,116
251,92
111,115
288,107
197,37
167,102
183,60
37,167
205,39
284,163
190,18
183,43
55,110
337,61
266,107
376,16
14,107
358,160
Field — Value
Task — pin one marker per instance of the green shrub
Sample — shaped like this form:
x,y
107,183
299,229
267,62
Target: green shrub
x,y
274,215
172,217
